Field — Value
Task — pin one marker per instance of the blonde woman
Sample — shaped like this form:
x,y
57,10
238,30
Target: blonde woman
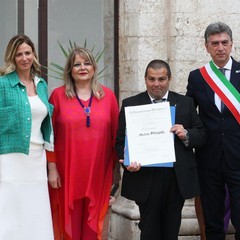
x,y
25,133
85,122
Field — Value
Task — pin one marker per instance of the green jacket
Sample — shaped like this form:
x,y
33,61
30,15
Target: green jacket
x,y
15,115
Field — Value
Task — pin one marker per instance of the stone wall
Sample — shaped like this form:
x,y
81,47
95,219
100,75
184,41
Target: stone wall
x,y
171,30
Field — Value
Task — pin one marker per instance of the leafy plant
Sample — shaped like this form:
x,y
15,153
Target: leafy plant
x,y
57,70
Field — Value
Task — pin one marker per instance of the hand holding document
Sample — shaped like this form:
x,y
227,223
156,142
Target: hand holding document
x,y
149,140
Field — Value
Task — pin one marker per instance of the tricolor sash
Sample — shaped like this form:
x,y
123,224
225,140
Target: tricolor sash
x,y
223,88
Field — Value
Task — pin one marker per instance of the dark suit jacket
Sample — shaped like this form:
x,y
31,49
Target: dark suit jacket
x,y
222,129
136,185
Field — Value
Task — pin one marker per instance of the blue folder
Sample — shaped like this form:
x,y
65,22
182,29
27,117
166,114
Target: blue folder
x,y
126,152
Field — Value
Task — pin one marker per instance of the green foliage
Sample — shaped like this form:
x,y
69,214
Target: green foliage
x,y
56,70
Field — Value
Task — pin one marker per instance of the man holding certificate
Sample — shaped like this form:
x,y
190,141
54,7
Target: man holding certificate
x,y
155,146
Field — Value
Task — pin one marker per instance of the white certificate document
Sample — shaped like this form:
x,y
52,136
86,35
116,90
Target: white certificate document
x,y
149,138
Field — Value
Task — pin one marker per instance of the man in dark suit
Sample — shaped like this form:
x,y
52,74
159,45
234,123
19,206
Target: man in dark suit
x,y
160,192
215,89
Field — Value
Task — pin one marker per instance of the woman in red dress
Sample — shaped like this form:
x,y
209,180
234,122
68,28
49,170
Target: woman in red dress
x,y
80,170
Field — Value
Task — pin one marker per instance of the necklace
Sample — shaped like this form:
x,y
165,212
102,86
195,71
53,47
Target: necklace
x,y
87,110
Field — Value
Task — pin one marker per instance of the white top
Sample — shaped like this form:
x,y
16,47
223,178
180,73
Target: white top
x,y
39,112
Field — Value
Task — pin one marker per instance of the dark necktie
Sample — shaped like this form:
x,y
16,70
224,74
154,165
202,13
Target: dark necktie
x,y
223,72
159,100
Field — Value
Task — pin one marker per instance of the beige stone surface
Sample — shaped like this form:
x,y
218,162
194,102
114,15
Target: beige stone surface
x,y
172,31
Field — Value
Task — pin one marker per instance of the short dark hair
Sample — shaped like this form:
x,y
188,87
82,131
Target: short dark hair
x,y
215,28
157,64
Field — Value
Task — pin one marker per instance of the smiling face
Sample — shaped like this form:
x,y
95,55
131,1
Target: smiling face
x,y
24,58
157,82
82,70
219,46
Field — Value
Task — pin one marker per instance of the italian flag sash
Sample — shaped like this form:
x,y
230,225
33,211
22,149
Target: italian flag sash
x,y
222,87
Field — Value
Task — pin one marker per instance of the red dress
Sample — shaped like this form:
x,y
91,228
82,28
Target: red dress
x,y
85,158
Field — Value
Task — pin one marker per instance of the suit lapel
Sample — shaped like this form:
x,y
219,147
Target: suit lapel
x,y
144,98
235,75
172,99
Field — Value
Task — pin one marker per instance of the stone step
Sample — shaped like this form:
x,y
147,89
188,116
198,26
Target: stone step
x,y
124,218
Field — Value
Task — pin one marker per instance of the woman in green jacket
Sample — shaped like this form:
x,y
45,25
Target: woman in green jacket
x,y
25,133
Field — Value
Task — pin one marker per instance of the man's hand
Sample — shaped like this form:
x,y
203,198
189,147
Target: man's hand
x,y
133,167
180,131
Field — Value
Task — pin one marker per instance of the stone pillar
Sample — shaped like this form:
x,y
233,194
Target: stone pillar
x,y
142,37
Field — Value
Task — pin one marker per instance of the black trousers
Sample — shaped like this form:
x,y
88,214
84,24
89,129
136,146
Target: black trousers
x,y
160,215
212,183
